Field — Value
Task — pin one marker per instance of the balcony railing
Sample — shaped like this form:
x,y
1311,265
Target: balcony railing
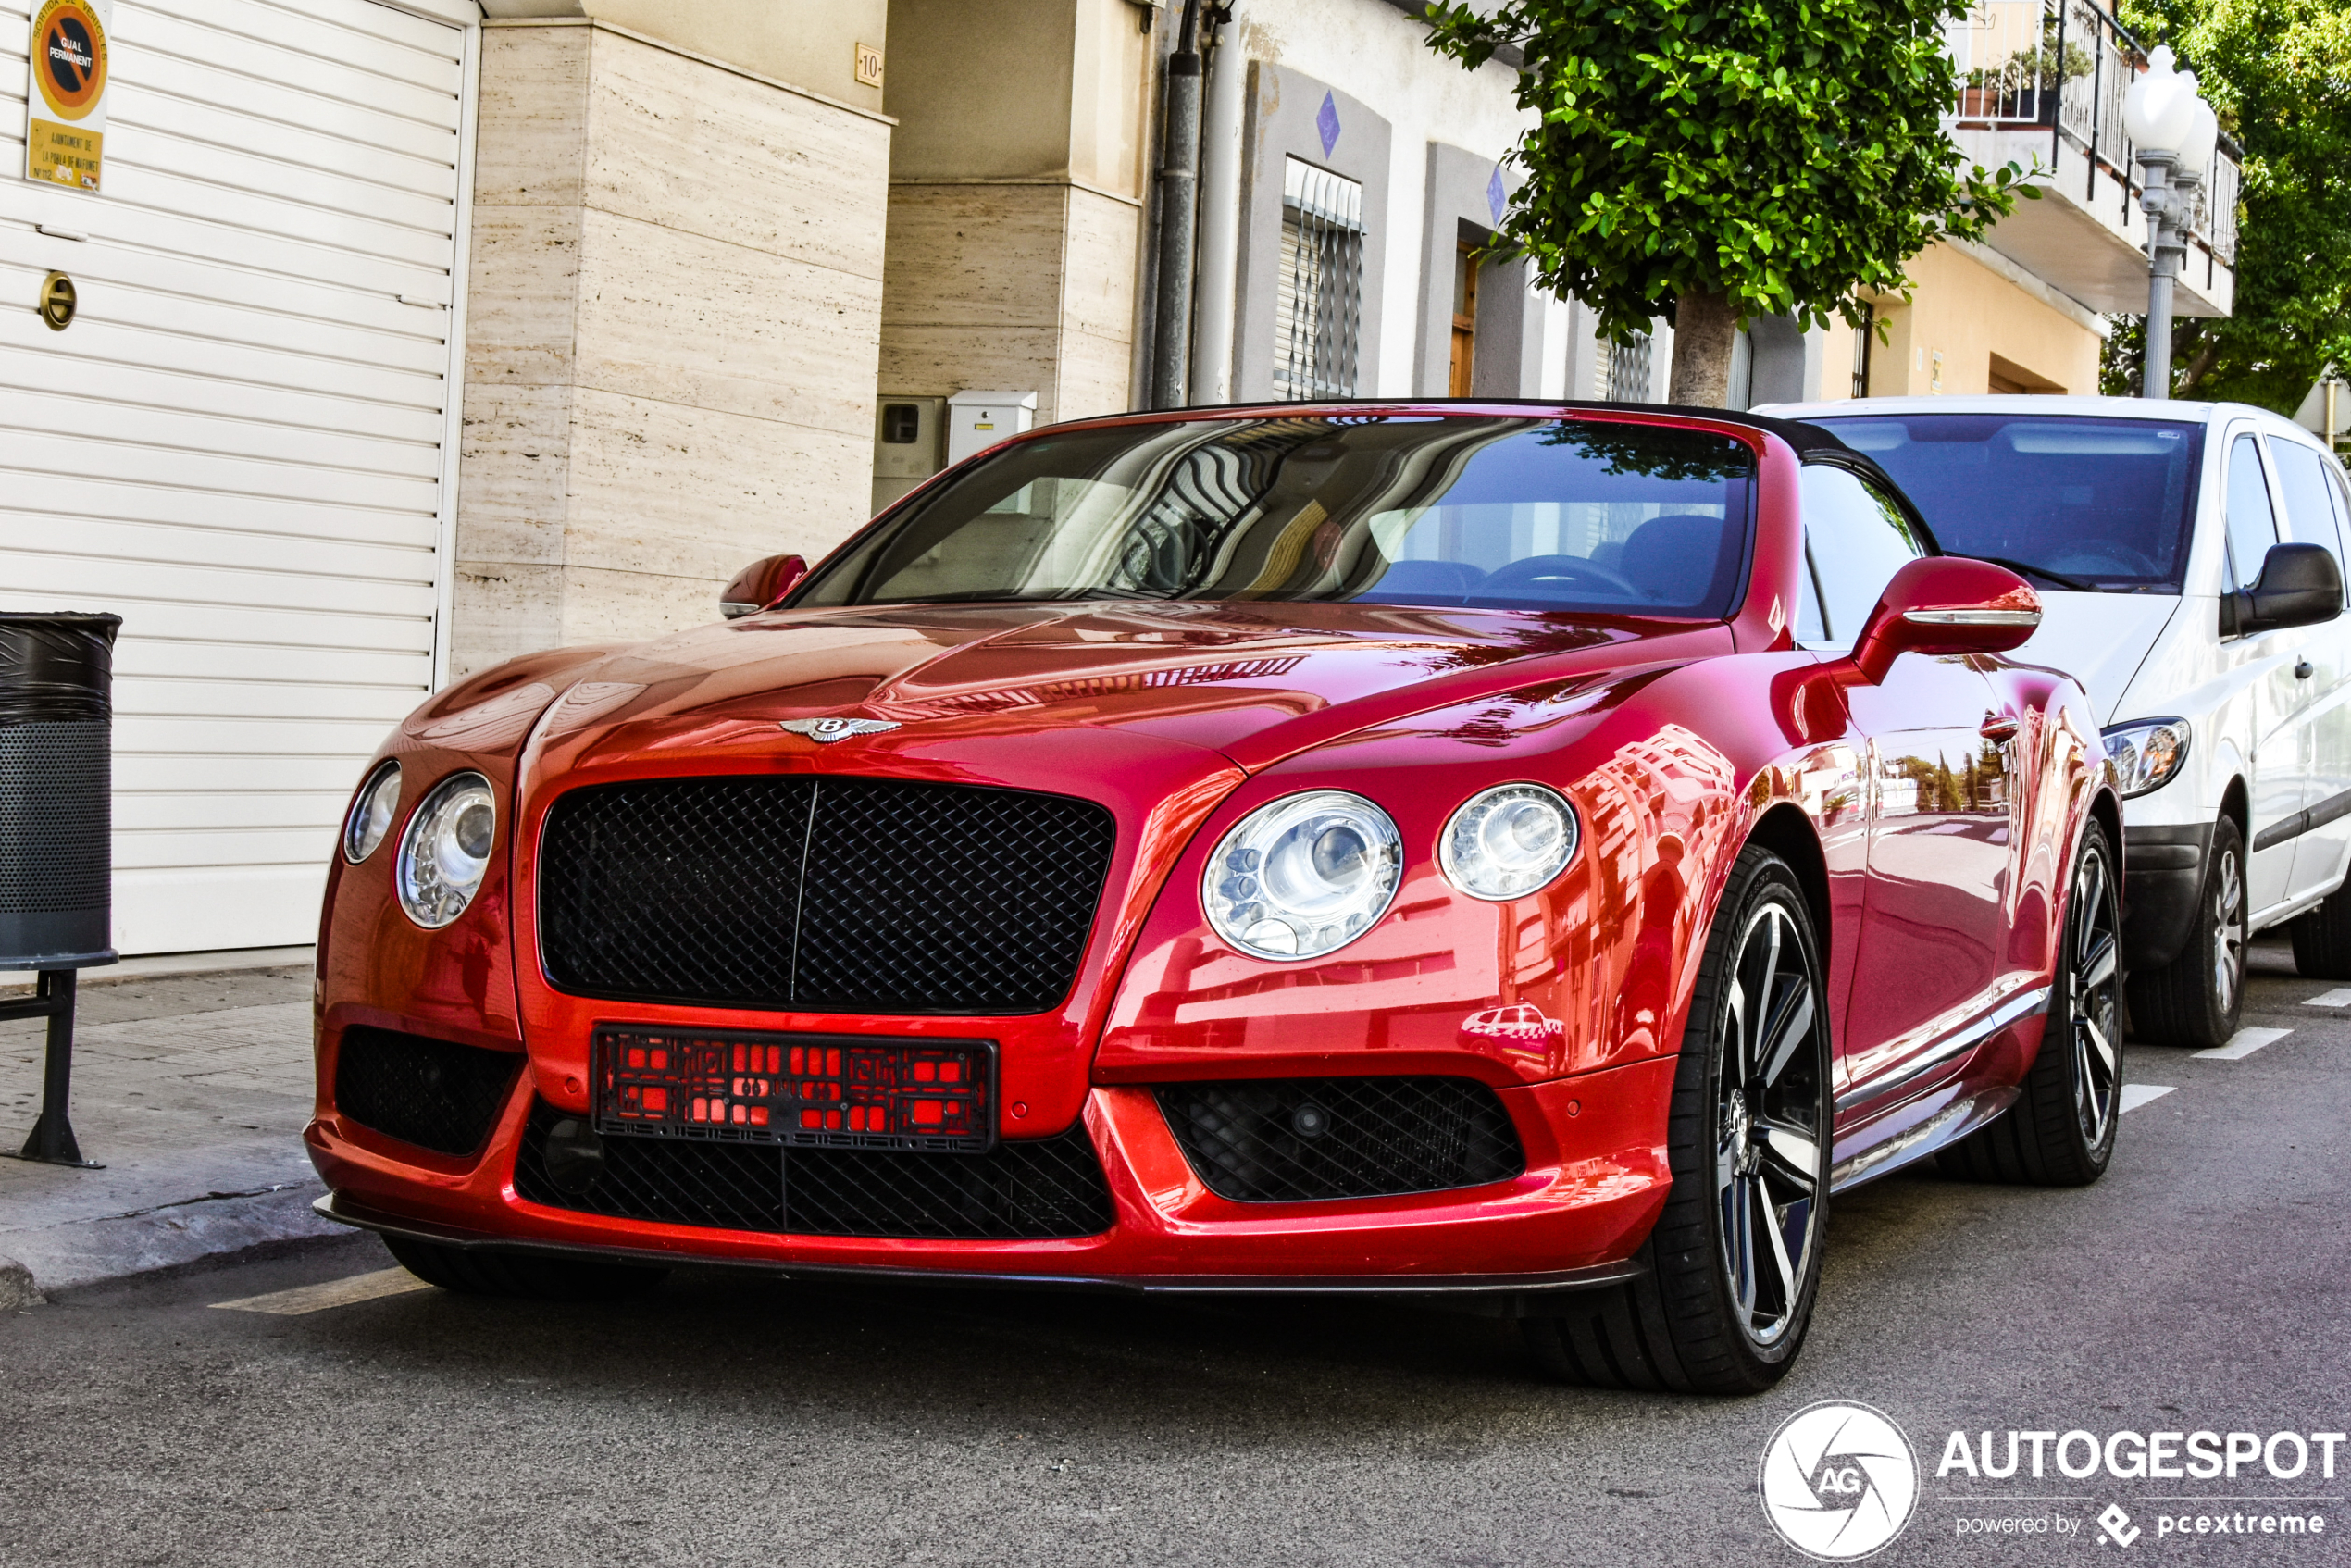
x,y
2064,65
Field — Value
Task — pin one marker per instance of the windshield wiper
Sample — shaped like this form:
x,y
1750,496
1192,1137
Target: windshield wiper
x,y
2023,568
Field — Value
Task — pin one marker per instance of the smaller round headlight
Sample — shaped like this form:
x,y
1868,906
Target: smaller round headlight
x,y
371,813
1508,841
446,850
1304,876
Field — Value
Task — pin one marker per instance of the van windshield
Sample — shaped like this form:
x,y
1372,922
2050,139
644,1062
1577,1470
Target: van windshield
x,y
1541,513
2073,502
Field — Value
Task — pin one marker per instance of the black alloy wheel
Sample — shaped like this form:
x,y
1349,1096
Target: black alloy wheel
x,y
2197,999
2060,1132
1734,1265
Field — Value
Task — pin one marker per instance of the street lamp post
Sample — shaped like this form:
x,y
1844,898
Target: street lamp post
x,y
2175,132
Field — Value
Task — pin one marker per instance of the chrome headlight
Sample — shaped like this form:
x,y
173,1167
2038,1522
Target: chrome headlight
x,y
371,813
2146,752
1304,876
1508,841
446,850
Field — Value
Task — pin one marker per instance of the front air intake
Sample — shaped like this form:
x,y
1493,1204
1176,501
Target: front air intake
x,y
835,895
434,1093
1283,1140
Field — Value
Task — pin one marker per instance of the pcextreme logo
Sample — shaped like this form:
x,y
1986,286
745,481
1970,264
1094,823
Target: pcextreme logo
x,y
1838,1481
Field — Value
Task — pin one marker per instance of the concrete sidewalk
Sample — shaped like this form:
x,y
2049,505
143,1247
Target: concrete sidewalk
x,y
192,1089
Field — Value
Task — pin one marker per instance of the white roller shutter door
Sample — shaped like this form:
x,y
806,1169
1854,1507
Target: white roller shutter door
x,y
241,445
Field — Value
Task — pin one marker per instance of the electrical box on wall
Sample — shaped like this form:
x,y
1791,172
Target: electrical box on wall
x,y
909,444
978,420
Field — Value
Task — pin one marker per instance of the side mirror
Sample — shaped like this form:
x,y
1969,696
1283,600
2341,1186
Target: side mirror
x,y
1945,605
2299,585
760,584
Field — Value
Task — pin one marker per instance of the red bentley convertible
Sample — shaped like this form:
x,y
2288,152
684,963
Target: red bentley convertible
x,y
1535,853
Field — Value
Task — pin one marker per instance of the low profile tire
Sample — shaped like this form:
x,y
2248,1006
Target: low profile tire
x,y
2060,1131
471,1273
1731,1269
2197,998
2322,939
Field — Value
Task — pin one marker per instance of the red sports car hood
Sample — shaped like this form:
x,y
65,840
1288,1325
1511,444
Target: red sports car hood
x,y
1257,682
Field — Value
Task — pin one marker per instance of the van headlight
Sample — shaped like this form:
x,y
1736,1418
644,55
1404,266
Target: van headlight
x,y
2146,752
1507,842
1304,876
446,850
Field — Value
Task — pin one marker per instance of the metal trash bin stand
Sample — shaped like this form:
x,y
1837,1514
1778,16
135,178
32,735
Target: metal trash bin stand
x,y
57,823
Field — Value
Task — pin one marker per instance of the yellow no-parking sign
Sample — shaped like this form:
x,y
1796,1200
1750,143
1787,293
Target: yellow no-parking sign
x,y
65,111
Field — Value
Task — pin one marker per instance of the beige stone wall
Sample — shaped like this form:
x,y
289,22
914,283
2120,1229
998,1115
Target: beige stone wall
x,y
675,297
1964,314
1017,170
810,43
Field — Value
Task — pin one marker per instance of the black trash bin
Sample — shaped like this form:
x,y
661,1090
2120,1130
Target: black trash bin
x,y
56,861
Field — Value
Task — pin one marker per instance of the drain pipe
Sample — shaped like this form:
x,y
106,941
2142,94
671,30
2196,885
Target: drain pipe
x,y
1178,197
1220,214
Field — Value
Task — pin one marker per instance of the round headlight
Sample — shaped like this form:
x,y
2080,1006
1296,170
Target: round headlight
x,y
371,813
1304,876
446,850
1508,841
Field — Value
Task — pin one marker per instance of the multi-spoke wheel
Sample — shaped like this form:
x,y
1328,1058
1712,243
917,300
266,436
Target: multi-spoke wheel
x,y
2198,997
1735,1261
2060,1131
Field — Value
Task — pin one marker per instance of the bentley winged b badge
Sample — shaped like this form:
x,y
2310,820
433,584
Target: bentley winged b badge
x,y
827,730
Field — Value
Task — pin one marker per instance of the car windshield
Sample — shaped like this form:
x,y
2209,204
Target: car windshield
x,y
2081,504
1534,513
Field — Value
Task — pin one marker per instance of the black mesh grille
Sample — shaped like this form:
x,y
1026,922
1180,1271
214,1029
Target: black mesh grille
x,y
434,1093
842,894
1290,1139
1034,1189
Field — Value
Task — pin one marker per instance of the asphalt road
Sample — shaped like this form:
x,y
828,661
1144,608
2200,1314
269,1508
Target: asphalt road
x,y
2206,1284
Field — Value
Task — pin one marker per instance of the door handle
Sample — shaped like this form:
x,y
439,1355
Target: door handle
x,y
1998,727
2302,671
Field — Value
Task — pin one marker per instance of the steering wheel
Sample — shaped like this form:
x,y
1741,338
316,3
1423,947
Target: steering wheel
x,y
1536,568
2122,556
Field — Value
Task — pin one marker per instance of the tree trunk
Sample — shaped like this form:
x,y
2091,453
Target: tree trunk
x,y
1704,329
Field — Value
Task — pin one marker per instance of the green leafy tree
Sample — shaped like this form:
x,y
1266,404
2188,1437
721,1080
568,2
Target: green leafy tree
x,y
2279,74
1715,161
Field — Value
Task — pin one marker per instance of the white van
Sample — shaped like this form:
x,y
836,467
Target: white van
x,y
2189,556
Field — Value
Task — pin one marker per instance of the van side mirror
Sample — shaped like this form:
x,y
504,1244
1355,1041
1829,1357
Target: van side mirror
x,y
759,585
2299,585
1945,605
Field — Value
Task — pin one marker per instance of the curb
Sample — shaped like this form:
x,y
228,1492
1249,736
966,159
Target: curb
x,y
69,1256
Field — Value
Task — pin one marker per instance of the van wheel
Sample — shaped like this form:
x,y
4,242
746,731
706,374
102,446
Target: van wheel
x,y
1734,1265
472,1273
2197,998
2322,939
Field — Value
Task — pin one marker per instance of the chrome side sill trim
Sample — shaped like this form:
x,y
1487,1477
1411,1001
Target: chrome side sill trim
x,y
343,1210
2024,1004
1939,1132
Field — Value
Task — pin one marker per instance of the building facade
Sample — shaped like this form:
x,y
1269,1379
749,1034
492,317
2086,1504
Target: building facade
x,y
414,334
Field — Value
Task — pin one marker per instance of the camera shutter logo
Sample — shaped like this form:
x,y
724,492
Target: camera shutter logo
x,y
1838,1481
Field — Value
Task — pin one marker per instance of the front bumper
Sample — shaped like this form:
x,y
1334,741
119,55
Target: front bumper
x,y
1595,1178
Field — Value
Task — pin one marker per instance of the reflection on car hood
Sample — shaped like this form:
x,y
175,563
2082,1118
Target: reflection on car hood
x,y
1257,681
2098,639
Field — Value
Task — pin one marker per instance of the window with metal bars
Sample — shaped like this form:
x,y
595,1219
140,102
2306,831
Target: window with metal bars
x,y
1318,297
1624,373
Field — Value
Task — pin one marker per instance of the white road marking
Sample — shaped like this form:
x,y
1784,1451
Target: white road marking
x,y
2244,1043
2136,1095
2338,997
339,1293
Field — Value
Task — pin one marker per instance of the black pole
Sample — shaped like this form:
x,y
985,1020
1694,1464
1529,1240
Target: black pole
x,y
52,1143
1178,206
